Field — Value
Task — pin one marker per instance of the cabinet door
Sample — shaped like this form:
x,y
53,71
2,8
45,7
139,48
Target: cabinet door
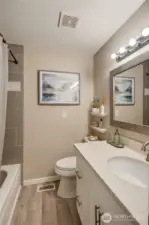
x,y
82,191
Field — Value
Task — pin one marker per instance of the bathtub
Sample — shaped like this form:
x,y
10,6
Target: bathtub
x,y
9,192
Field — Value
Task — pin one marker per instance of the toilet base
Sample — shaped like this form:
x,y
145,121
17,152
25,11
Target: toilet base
x,y
67,187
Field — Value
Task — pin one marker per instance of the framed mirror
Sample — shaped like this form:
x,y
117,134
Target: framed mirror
x,y
129,96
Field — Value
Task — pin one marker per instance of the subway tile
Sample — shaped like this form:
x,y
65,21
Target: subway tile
x,y
16,77
16,68
17,49
19,137
12,155
10,138
16,121
14,100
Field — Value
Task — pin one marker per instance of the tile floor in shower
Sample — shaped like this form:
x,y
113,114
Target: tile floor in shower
x,y
44,208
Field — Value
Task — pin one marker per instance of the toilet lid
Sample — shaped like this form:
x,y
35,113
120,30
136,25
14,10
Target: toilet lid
x,y
68,163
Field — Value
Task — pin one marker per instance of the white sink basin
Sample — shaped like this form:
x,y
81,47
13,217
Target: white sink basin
x,y
131,170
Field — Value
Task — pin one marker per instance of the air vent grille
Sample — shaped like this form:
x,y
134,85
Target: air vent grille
x,y
68,21
48,186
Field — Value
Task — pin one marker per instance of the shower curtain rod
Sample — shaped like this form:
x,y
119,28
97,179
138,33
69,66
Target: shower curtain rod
x,y
11,53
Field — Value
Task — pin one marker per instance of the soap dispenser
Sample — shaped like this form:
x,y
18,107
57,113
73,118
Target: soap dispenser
x,y
116,137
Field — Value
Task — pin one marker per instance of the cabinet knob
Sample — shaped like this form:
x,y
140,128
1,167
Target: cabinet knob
x,y
78,174
78,201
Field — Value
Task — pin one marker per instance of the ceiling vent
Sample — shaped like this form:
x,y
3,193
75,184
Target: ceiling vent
x,y
67,21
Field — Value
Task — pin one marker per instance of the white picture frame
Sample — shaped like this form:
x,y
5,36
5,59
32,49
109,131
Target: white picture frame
x,y
58,88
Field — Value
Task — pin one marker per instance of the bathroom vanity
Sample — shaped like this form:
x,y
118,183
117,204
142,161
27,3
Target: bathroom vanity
x,y
100,190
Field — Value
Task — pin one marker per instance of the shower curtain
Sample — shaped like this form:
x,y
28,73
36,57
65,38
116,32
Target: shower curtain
x,y
3,92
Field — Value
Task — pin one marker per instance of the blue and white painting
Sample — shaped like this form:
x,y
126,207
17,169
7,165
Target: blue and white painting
x,y
59,88
124,91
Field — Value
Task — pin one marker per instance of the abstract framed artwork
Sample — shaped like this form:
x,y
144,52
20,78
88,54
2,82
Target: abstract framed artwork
x,y
124,90
58,88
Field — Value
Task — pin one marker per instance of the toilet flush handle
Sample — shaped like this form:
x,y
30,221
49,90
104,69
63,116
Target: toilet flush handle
x,y
78,174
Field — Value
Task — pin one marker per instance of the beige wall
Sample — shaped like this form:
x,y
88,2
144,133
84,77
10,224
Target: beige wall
x,y
47,136
132,113
103,63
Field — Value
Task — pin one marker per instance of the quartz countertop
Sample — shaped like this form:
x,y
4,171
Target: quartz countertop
x,y
133,197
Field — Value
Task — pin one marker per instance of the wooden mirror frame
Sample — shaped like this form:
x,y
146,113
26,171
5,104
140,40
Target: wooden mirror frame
x,y
128,126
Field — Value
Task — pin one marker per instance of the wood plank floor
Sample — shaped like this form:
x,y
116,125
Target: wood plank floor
x,y
44,208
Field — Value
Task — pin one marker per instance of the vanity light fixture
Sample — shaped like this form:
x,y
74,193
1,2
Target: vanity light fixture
x,y
134,45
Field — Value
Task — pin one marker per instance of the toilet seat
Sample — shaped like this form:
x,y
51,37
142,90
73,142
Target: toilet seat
x,y
66,167
67,164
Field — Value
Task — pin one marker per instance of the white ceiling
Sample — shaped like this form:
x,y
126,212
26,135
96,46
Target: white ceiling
x,y
33,23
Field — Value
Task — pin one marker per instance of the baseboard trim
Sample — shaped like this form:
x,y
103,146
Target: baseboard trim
x,y
41,180
14,206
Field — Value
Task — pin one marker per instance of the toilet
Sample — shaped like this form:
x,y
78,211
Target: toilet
x,y
66,168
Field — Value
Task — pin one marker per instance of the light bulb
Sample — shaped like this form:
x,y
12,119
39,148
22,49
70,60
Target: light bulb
x,y
122,50
132,42
145,32
113,56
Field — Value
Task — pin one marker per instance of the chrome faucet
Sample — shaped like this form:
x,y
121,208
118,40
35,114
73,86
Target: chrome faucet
x,y
146,150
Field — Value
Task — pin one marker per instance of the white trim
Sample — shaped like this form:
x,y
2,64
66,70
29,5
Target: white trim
x,y
41,180
14,206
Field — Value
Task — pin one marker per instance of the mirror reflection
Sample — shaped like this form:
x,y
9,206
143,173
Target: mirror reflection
x,y
131,95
